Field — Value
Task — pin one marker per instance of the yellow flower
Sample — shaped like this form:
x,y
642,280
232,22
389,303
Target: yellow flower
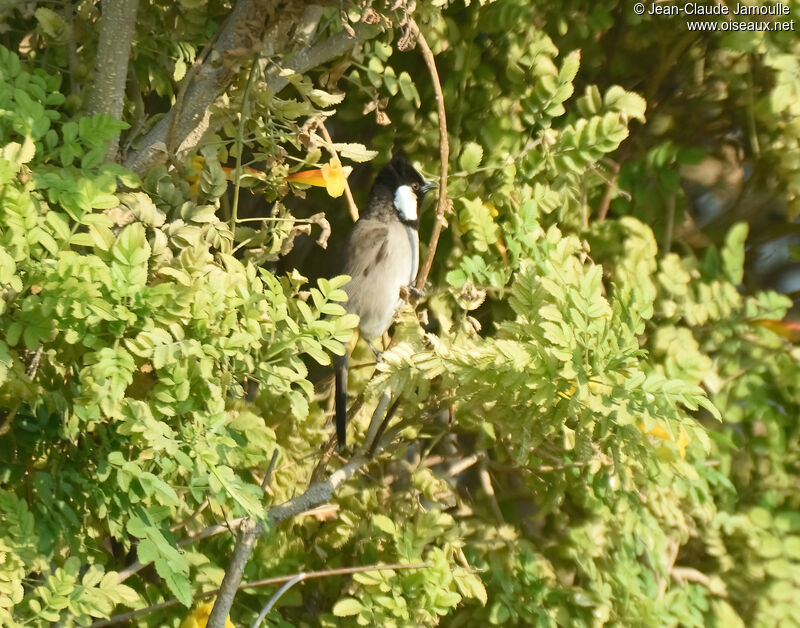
x,y
198,618
330,176
660,433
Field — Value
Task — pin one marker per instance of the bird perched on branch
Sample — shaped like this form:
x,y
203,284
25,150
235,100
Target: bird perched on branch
x,y
381,257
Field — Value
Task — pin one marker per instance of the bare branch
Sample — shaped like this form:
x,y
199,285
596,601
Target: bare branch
x,y
602,212
373,448
690,574
256,584
444,154
246,539
486,483
278,594
9,417
270,468
249,532
377,416
241,31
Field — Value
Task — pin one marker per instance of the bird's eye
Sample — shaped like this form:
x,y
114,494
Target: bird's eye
x,y
415,186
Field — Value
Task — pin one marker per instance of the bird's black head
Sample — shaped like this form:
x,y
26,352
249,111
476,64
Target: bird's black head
x,y
399,188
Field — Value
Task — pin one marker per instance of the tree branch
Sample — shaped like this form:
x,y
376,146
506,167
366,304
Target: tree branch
x,y
246,539
315,495
117,27
444,154
256,584
242,31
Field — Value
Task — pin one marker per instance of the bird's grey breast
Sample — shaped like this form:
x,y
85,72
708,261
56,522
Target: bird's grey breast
x,y
381,258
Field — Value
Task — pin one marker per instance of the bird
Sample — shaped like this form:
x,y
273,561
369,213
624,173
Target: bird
x,y
381,257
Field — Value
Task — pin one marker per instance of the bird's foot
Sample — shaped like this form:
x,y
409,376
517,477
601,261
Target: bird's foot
x,y
412,295
375,352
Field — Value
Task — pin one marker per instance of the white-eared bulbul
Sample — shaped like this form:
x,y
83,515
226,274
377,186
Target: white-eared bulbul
x,y
381,256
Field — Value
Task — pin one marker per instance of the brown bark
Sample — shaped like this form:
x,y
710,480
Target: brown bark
x,y
316,494
117,28
236,44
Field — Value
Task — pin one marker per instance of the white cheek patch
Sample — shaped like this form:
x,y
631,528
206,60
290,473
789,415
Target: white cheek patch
x,y
405,201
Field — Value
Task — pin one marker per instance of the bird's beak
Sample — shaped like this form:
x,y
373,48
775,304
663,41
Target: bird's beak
x,y
427,186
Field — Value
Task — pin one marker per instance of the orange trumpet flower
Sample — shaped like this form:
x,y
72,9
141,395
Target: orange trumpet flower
x,y
331,176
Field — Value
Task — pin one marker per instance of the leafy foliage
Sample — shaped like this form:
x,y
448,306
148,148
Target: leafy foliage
x,y
593,428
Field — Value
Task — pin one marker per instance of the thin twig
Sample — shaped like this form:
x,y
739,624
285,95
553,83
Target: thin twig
x,y
691,574
270,469
373,448
377,415
462,465
240,144
9,417
322,464
340,571
330,448
571,465
256,584
610,186
486,483
210,531
444,153
186,521
670,225
277,596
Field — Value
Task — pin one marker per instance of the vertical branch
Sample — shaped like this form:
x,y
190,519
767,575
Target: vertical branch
x,y
248,535
611,186
444,154
668,231
240,144
117,27
249,532
241,32
72,48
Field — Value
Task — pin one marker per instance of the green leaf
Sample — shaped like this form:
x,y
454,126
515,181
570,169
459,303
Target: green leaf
x,y
51,23
408,89
347,607
324,99
569,69
383,523
355,152
733,253
471,156
476,218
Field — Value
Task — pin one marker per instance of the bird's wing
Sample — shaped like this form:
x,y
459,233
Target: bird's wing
x,y
367,247
366,250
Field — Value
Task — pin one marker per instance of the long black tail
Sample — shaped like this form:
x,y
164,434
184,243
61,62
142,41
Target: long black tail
x,y
340,399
